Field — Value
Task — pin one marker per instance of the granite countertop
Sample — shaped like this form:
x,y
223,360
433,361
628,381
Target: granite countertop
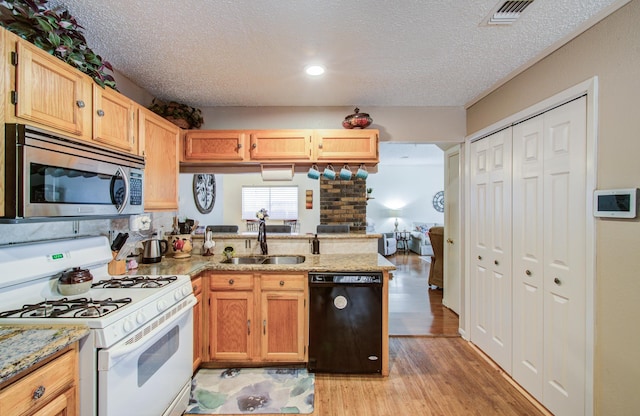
x,y
22,346
293,236
197,263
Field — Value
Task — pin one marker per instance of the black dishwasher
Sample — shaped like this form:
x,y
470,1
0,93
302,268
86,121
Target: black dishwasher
x,y
345,322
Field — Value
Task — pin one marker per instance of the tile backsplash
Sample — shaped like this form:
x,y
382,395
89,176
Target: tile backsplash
x,y
31,232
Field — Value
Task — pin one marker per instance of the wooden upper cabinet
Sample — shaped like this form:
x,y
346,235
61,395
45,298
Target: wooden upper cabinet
x,y
113,119
50,93
214,146
347,146
159,140
281,145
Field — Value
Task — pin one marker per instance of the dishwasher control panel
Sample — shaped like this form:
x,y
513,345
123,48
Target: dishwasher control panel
x,y
346,278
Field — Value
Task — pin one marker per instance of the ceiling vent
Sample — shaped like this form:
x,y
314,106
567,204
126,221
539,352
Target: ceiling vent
x,y
507,12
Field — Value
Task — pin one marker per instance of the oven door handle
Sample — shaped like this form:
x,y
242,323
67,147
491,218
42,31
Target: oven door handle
x,y
109,357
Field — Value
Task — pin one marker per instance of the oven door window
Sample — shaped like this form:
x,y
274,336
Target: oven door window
x,y
155,356
58,185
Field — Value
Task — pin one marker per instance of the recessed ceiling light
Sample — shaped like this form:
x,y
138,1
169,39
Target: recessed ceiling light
x,y
314,70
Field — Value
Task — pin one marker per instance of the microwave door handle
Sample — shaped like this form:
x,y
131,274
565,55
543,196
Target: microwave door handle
x,y
125,180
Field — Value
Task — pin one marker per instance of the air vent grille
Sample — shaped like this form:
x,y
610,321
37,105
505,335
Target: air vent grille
x,y
507,12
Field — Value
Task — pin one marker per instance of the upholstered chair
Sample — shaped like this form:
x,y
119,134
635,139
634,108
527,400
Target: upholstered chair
x,y
436,235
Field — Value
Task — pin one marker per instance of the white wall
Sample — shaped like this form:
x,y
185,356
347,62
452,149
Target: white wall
x,y
410,188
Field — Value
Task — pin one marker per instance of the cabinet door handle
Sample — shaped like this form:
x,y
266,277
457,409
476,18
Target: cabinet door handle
x,y
253,146
231,281
239,145
249,327
528,272
479,257
264,327
80,104
100,113
450,241
281,282
496,262
320,145
557,281
39,392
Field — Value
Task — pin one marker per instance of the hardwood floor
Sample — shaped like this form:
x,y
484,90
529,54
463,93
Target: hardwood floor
x,y
414,308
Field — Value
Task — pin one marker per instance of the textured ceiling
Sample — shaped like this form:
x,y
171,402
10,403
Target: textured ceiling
x,y
377,53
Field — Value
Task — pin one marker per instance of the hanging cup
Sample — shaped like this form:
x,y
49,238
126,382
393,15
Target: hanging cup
x,y
329,173
362,172
345,173
313,173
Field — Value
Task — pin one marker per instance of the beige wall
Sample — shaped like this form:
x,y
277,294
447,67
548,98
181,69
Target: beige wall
x,y
409,124
611,51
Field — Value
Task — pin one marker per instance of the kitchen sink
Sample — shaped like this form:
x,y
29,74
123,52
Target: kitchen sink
x,y
280,259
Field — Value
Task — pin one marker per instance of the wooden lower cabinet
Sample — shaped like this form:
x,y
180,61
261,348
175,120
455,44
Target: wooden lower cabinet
x,y
49,390
257,317
196,284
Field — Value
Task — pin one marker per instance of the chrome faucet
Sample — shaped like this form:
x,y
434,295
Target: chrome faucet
x,y
262,238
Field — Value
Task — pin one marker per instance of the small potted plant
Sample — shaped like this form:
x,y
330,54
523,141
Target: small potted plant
x,y
181,115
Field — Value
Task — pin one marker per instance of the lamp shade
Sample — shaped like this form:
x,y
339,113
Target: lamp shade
x,y
395,213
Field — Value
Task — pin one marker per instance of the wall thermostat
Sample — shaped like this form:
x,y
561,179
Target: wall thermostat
x,y
615,203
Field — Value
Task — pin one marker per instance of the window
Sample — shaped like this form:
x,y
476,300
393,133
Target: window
x,y
281,202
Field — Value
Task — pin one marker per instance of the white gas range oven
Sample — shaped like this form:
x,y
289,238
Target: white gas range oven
x,y
137,359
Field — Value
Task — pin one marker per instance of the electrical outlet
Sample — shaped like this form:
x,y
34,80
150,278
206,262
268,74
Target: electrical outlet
x,y
140,222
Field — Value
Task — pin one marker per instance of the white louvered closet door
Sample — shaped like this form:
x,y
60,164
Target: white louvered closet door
x,y
549,257
490,248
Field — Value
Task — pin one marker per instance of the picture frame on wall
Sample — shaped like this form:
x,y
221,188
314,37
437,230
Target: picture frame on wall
x,y
204,192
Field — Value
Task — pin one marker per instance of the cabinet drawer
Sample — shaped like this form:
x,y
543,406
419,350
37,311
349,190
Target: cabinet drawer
x,y
196,284
38,387
283,282
231,282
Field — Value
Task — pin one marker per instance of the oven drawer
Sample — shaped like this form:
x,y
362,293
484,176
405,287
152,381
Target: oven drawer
x,y
40,386
231,282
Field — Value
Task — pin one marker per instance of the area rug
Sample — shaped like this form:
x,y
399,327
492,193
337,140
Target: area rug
x,y
251,390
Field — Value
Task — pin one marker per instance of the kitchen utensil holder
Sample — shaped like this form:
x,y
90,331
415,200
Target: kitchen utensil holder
x,y
116,267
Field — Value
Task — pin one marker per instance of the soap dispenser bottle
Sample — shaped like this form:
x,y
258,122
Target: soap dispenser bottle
x,y
315,245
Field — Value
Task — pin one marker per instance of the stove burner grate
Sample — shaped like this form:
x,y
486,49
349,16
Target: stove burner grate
x,y
67,308
142,282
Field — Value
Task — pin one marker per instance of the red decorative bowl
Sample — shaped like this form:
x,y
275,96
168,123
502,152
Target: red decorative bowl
x,y
357,120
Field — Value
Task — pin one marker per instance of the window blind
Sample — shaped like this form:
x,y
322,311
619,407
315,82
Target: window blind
x,y
281,202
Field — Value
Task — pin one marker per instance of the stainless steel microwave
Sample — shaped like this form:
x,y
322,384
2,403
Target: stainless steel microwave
x,y
48,176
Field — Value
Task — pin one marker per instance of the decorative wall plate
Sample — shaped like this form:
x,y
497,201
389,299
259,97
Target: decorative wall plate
x,y
438,201
204,191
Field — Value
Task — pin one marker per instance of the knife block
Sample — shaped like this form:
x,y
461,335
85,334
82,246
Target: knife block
x,y
116,267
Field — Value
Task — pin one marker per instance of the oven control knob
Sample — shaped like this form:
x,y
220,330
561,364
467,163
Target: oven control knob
x,y
128,326
140,318
162,305
186,290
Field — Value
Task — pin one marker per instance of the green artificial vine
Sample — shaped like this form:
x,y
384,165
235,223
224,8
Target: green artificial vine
x,y
56,32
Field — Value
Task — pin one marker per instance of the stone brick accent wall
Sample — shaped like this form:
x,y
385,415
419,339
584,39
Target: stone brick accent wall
x,y
344,202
